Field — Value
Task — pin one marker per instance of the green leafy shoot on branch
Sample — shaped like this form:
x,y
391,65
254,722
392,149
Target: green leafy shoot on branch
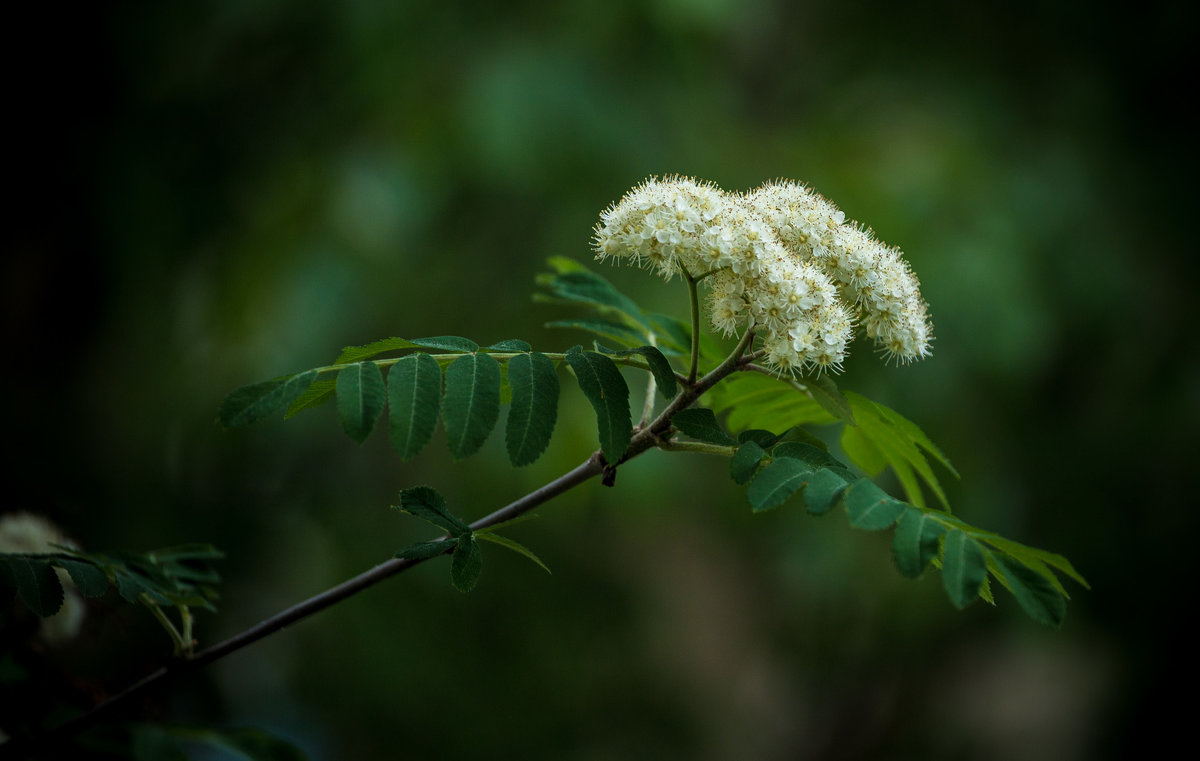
x,y
460,541
178,578
786,274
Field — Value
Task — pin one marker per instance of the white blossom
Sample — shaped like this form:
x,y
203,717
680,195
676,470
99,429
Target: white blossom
x,y
781,260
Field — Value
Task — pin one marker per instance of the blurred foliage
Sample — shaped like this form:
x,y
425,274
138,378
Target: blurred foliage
x,y
211,194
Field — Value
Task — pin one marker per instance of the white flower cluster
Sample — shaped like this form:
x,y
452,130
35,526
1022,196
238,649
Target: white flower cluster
x,y
780,259
25,532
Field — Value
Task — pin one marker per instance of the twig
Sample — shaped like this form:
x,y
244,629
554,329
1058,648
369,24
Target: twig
x,y
25,747
646,439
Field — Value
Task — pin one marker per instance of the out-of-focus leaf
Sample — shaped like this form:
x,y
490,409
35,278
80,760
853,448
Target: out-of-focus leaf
x,y
250,403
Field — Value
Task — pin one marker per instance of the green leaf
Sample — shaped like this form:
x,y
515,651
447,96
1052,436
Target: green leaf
x,y
513,545
745,461
753,400
605,389
190,551
352,354
90,580
466,564
361,395
659,365
247,743
150,742
913,432
700,423
1034,558
823,489
37,583
586,287
471,403
1037,596
427,504
534,409
915,543
511,344
804,437
610,330
764,439
314,396
825,393
807,453
861,451
875,449
250,403
673,336
426,550
896,443
414,402
964,568
447,343
776,482
870,508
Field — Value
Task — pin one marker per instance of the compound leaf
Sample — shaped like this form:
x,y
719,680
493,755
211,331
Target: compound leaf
x,y
471,404
534,409
414,402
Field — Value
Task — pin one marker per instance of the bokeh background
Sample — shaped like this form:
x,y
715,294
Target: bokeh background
x,y
211,194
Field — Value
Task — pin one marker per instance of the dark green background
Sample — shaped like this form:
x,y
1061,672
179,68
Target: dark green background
x,y
211,194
